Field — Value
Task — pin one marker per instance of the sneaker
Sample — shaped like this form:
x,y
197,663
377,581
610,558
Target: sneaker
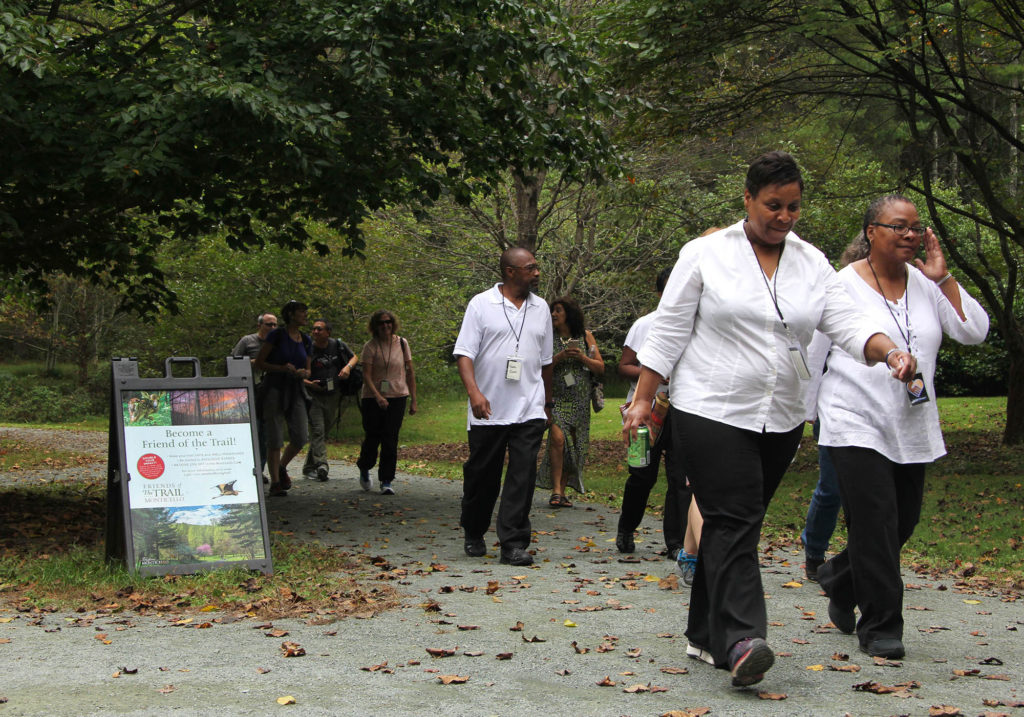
x,y
321,474
365,481
686,566
843,618
811,566
749,659
699,653
386,489
624,542
309,476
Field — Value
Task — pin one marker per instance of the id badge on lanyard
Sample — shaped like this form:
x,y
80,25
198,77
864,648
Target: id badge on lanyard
x,y
513,368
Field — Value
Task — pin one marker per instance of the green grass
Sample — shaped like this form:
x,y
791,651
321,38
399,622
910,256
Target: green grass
x,y
973,513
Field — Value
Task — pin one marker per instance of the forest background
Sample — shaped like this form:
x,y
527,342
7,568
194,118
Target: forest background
x,y
174,168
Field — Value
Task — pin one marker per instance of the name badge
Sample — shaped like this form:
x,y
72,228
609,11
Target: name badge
x,y
329,384
385,386
796,355
916,391
570,380
513,368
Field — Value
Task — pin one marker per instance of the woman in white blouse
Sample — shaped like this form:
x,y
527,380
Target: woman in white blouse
x,y
881,435
731,330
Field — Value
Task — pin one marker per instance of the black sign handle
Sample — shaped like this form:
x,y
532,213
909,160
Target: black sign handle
x,y
168,363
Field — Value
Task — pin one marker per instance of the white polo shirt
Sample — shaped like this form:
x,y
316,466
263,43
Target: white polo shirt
x,y
488,338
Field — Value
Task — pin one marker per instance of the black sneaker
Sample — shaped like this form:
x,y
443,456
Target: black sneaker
x,y
321,474
516,556
811,566
842,618
475,547
624,542
891,648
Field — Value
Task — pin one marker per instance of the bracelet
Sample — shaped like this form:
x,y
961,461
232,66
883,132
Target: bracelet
x,y
944,279
889,353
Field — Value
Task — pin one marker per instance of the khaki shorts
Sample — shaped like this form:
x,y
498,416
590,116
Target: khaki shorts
x,y
274,419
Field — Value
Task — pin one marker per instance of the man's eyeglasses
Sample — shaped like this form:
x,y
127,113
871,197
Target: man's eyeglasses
x,y
902,229
270,323
386,321
529,267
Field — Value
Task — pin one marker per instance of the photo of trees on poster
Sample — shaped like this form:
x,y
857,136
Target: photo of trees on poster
x,y
197,534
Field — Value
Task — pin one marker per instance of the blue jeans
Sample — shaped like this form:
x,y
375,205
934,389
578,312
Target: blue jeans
x,y
823,511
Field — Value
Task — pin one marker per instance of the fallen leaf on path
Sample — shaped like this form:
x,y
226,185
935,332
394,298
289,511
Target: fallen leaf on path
x,y
286,700
692,712
292,649
166,689
473,653
967,673
569,623
453,679
440,652
883,662
944,711
563,672
675,670
533,639
606,682
518,627
580,650
468,627
262,670
633,689
374,668
276,633
776,696
844,668
635,652
793,584
503,656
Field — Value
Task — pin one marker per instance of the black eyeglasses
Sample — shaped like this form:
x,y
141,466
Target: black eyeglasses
x,y
529,267
387,321
902,229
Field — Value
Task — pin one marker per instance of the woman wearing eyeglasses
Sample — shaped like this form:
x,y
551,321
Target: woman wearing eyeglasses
x,y
881,434
390,383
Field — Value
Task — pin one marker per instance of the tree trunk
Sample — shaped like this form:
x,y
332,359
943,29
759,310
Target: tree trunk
x,y
1014,433
527,210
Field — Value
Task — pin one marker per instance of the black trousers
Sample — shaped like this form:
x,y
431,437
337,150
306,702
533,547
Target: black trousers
x,y
677,494
734,473
481,480
380,430
882,502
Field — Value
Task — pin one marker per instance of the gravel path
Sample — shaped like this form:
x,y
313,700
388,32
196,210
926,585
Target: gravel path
x,y
625,619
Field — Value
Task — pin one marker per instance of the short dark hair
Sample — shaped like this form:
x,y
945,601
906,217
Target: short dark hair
x,y
377,318
772,168
573,314
290,308
876,207
325,322
663,278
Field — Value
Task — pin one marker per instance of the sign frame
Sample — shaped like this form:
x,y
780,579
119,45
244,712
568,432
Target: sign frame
x,y
199,435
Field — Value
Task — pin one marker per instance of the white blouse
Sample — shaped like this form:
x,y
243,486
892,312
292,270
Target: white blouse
x,y
717,332
862,406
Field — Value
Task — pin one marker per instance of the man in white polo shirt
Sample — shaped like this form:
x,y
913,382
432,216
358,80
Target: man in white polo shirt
x,y
504,358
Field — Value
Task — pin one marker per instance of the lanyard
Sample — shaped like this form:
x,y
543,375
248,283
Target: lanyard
x,y
512,328
906,302
387,359
773,288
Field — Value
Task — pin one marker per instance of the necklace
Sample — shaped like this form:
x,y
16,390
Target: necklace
x,y
906,304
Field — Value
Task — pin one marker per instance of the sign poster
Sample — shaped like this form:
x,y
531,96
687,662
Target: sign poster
x,y
194,496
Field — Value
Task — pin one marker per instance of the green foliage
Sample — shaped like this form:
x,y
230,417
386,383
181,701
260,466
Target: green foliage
x,y
32,398
125,124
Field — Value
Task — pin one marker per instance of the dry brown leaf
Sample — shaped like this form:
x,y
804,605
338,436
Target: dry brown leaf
x,y
453,679
606,682
844,668
286,700
166,689
633,689
944,711
503,656
580,650
692,712
440,652
292,649
772,696
518,627
675,670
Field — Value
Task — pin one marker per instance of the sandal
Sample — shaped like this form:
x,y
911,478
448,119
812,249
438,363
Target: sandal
x,y
555,501
564,502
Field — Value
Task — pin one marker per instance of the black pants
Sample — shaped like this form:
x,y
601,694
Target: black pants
x,y
380,430
734,474
882,501
481,480
677,494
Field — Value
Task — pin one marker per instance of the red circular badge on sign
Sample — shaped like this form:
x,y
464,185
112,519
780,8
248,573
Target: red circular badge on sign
x,y
151,466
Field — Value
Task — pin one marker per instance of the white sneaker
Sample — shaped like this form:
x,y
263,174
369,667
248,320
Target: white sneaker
x,y
309,476
699,653
386,489
365,481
